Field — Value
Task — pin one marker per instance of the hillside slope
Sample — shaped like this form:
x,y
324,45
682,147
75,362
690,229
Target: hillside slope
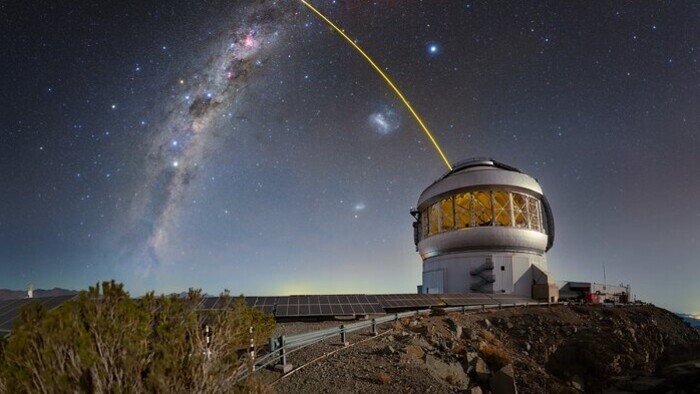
x,y
560,349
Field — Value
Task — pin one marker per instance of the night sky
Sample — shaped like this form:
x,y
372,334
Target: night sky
x,y
244,145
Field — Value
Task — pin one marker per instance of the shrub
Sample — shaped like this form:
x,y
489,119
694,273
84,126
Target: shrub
x,y
105,341
488,335
383,378
496,357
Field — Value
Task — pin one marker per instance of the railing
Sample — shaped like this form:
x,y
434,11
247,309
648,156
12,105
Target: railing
x,y
483,282
487,266
282,346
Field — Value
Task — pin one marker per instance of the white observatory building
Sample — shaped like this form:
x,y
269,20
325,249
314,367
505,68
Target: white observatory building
x,y
484,227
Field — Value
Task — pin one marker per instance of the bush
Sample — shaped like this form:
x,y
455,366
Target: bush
x,y
382,378
495,357
105,341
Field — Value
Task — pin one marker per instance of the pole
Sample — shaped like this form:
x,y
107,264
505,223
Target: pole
x,y
207,341
605,280
251,348
343,335
283,353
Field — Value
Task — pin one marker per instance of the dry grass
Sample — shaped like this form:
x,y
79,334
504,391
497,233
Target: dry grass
x,y
488,336
383,378
496,357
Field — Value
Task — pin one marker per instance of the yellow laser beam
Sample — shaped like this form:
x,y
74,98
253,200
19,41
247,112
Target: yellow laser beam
x,y
386,78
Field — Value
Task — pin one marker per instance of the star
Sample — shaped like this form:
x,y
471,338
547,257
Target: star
x,y
433,48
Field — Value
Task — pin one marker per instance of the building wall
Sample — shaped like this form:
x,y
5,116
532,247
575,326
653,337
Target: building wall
x,y
451,273
607,289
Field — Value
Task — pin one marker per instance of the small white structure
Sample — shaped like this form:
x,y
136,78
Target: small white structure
x,y
484,227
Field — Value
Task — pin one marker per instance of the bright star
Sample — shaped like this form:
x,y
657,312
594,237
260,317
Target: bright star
x,y
433,48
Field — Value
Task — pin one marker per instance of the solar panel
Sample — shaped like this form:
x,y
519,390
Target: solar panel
x,y
5,305
327,305
210,303
57,301
466,299
267,304
394,301
9,310
510,298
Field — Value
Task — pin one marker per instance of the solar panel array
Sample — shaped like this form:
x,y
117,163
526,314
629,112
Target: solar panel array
x,y
510,298
467,299
328,305
267,304
307,305
400,301
455,299
9,310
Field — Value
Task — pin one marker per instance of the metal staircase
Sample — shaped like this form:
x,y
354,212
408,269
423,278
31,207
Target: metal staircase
x,y
484,276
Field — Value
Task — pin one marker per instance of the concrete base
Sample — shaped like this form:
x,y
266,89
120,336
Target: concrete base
x,y
284,368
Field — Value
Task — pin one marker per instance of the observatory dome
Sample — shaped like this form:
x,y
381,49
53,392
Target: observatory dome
x,y
482,214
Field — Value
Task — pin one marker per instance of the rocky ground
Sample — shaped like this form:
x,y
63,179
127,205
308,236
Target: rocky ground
x,y
558,349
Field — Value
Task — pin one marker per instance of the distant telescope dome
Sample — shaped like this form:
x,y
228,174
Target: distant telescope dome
x,y
483,205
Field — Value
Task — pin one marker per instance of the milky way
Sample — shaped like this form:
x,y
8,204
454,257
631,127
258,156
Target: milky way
x,y
183,138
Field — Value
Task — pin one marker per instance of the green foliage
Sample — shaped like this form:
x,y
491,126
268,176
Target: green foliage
x,y
105,341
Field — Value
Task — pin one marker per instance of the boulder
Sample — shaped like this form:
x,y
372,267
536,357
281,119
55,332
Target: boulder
x,y
458,349
481,369
414,351
503,381
458,331
471,356
420,342
476,390
451,372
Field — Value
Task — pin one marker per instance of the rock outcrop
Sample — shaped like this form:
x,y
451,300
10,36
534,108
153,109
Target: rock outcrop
x,y
558,349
